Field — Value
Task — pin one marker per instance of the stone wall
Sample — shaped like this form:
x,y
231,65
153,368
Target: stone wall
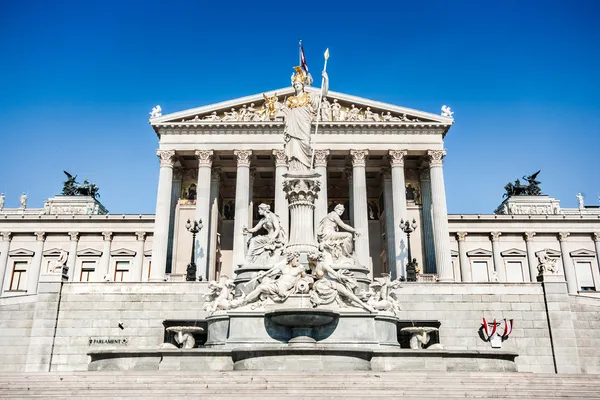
x,y
16,316
586,315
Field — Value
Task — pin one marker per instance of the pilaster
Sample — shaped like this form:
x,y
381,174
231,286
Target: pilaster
x,y
465,267
4,249
138,261
36,263
72,259
498,264
531,258
570,276
104,272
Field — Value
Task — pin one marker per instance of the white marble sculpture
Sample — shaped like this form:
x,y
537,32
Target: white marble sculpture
x,y
546,264
370,115
420,336
446,111
336,110
231,116
220,295
57,265
326,110
298,113
212,117
580,200
337,247
23,201
380,295
265,249
271,106
2,197
156,112
184,335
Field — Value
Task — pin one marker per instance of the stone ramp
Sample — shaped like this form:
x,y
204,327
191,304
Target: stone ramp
x,y
300,385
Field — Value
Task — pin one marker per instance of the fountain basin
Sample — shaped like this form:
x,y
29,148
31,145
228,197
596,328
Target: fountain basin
x,y
302,323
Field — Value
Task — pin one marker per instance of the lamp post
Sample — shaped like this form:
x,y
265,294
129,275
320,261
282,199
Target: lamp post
x,y
194,228
411,267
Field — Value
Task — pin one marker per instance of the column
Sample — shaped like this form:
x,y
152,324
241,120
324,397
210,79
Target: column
x,y
4,249
531,258
33,277
138,267
428,223
399,201
162,216
74,237
441,238
205,158
361,216
321,201
281,203
242,188
350,178
175,194
498,265
465,267
103,271
213,226
251,197
388,209
572,285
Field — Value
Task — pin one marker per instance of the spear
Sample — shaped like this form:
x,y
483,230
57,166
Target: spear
x,y
312,158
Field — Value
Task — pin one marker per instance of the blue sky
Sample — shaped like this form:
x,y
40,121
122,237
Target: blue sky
x,y
77,80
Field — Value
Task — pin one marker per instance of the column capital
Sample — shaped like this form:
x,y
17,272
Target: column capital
x,y
321,158
5,236
74,236
386,174
280,158
562,236
461,236
359,157
166,157
424,175
596,236
243,157
205,158
435,157
140,236
494,236
215,174
40,236
107,236
529,236
177,174
397,157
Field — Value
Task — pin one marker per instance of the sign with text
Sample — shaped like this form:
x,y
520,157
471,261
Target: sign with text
x,y
108,341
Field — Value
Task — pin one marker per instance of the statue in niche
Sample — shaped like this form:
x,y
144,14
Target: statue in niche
x,y
331,285
229,210
380,296
265,248
338,247
278,283
299,112
191,192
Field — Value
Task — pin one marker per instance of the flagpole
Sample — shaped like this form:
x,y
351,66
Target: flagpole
x,y
312,158
300,52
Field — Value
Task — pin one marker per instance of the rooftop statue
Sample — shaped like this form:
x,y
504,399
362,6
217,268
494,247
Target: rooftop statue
x,y
517,189
156,112
72,188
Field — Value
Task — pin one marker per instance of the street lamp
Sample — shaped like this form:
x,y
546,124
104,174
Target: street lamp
x,y
411,267
194,228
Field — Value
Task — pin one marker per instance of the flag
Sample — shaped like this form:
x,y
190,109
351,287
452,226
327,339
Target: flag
x,y
303,59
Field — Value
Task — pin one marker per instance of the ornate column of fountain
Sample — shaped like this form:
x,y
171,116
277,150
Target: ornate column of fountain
x,y
301,191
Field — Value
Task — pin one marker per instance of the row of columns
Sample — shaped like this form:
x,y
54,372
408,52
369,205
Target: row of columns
x,y
436,221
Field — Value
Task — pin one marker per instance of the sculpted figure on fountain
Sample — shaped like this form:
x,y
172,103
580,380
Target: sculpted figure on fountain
x,y
220,295
380,295
337,247
265,249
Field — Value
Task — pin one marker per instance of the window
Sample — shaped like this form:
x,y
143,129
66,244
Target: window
x,y
479,271
121,271
514,271
18,279
87,271
584,275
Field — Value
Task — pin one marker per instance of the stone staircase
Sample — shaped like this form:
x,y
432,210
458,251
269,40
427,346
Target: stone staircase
x,y
280,385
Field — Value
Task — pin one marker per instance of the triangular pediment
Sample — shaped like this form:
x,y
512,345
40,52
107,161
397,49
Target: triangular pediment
x,y
550,252
479,253
21,253
53,252
583,253
123,253
513,253
89,253
251,110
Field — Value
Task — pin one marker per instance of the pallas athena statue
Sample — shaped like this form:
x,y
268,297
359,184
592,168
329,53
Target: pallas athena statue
x,y
299,112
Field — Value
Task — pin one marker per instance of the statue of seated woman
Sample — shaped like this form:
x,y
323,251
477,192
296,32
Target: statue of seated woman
x,y
265,249
337,247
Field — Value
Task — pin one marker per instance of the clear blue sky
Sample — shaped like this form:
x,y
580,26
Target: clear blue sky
x,y
78,78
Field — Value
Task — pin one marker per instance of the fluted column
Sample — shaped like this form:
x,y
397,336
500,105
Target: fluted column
x,y
388,209
251,204
281,203
215,187
4,249
33,277
71,260
103,272
350,177
399,204
205,158
138,262
162,216
441,237
361,213
498,265
175,194
428,223
321,201
531,258
570,276
242,192
465,267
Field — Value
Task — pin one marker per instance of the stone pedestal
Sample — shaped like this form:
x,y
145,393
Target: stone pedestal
x,y
527,205
301,191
